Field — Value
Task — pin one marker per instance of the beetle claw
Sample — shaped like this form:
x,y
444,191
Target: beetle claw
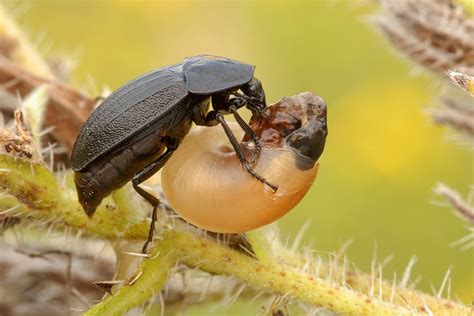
x,y
255,154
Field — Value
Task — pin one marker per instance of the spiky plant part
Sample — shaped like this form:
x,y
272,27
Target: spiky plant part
x,y
460,207
466,242
439,35
463,80
435,34
17,48
34,107
20,142
456,113
322,283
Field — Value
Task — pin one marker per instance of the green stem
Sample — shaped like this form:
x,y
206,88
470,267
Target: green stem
x,y
276,278
261,246
36,188
42,198
151,277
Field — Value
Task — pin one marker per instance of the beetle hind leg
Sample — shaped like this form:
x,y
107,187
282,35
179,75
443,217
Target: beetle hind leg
x,y
154,202
143,175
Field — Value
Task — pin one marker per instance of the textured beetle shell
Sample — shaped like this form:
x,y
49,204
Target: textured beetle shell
x,y
210,74
129,111
153,102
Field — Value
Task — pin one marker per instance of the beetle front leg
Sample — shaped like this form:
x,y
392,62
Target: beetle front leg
x,y
248,130
224,105
240,154
255,96
143,175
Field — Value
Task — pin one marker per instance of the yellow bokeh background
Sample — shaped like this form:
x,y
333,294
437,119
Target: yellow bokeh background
x,y
383,153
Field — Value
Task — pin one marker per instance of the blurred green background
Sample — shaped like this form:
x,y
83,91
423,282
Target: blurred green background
x,y
383,153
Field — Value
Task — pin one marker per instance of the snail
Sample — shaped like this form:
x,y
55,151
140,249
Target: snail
x,y
206,185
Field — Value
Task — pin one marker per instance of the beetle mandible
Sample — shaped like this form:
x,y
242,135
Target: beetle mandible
x,y
135,130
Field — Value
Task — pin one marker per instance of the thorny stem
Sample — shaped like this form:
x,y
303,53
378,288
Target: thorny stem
x,y
261,246
42,198
390,291
147,282
276,278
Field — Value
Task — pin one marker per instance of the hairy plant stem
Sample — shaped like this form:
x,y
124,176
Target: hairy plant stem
x,y
261,246
276,278
148,281
42,198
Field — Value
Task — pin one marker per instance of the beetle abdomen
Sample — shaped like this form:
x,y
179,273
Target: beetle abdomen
x,y
108,174
127,112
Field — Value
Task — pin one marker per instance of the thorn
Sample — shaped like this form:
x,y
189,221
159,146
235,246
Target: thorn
x,y
10,209
236,295
386,260
299,236
407,272
380,283
372,271
107,285
206,289
344,271
392,291
135,278
461,208
136,254
428,310
447,276
343,248
162,303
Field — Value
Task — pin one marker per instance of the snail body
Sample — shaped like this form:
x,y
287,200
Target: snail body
x,y
205,183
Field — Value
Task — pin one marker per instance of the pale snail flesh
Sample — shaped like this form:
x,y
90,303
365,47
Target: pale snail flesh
x,y
205,183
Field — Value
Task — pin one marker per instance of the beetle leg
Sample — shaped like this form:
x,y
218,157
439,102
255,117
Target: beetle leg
x,y
254,104
240,154
208,120
199,115
250,132
143,175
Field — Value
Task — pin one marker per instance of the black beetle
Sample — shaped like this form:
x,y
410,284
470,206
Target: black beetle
x,y
135,130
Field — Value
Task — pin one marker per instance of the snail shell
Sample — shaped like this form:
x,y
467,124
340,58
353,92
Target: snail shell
x,y
205,183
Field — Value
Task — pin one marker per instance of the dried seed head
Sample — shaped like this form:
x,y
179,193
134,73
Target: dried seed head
x,y
19,143
434,33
